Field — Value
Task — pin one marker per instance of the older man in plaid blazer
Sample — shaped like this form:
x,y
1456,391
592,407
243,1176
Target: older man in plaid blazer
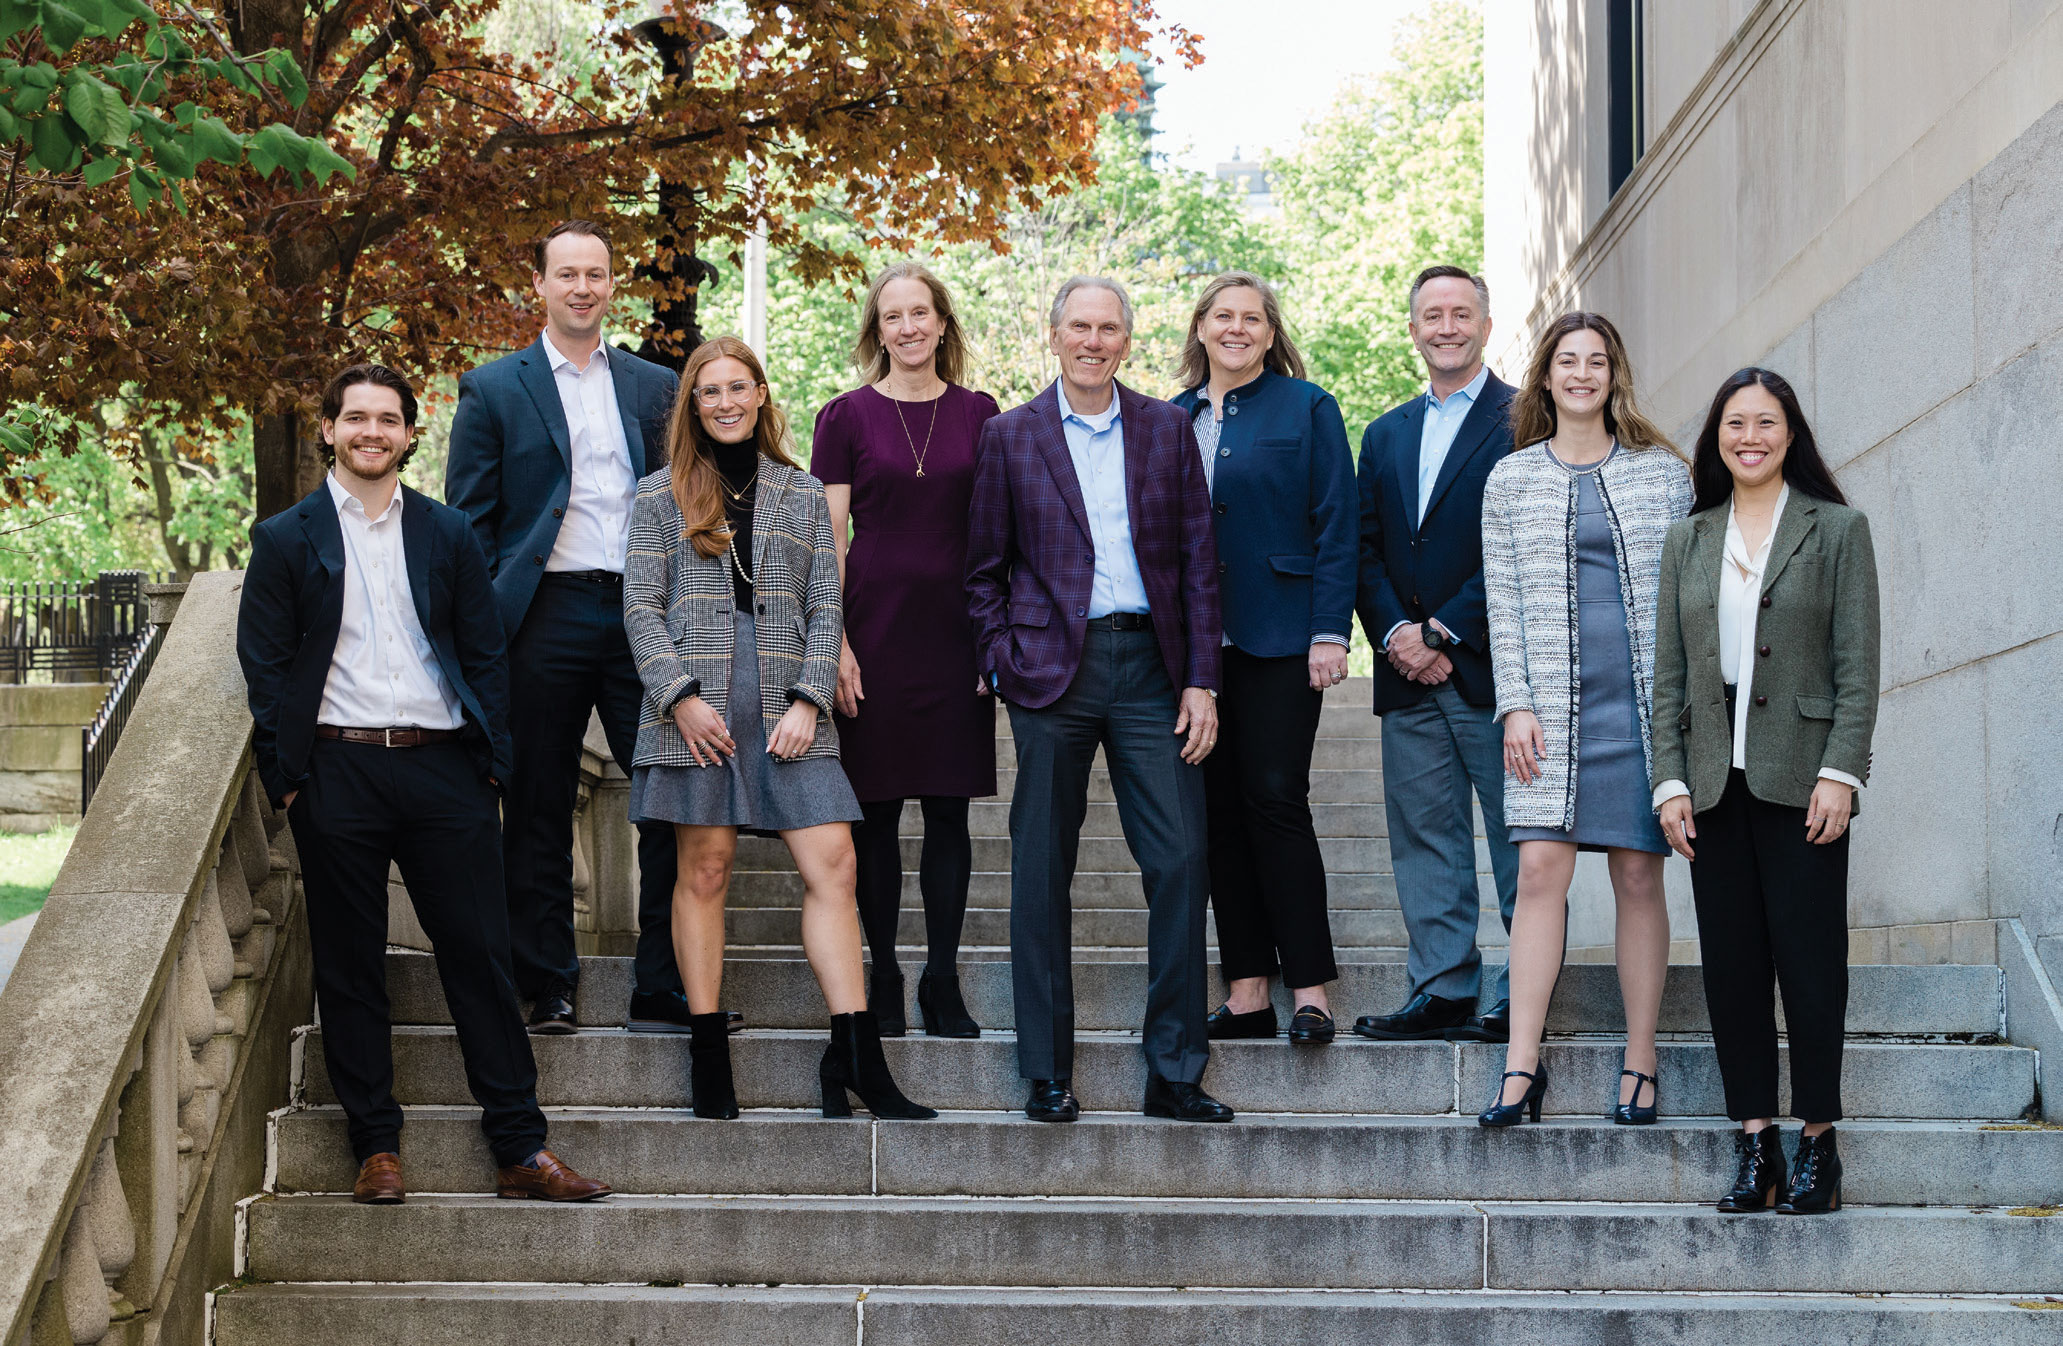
x,y
1092,582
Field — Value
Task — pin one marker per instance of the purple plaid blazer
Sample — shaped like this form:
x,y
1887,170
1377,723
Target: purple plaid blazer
x,y
1030,561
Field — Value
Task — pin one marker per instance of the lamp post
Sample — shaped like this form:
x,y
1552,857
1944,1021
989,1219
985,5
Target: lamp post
x,y
674,331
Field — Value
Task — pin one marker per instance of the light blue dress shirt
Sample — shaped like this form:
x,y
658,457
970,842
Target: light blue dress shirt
x,y
1096,444
1442,423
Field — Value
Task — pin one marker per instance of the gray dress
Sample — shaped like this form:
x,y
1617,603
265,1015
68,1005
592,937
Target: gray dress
x,y
1613,794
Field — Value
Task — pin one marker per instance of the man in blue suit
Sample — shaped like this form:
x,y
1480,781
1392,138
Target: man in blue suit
x,y
378,686
546,450
1420,597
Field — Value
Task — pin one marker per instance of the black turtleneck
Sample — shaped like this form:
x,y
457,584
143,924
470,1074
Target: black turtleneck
x,y
738,464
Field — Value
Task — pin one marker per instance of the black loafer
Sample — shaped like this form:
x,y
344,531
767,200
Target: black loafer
x,y
1425,1016
1495,1026
1311,1026
1222,1024
553,1013
1052,1101
1182,1102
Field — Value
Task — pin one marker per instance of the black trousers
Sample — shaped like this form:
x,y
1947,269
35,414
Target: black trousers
x,y
1772,912
945,867
1267,877
427,810
1122,699
570,658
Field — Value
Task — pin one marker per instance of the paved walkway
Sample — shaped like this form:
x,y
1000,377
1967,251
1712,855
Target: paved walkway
x,y
12,936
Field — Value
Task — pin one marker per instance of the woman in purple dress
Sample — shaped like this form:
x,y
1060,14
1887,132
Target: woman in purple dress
x,y
896,457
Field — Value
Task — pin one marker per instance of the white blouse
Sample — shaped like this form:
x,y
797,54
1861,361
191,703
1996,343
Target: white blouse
x,y
1740,588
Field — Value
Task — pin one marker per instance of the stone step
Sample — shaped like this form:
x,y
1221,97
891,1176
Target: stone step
x,y
1349,855
778,1068
657,1152
1092,888
1943,999
1121,927
1357,785
611,1315
1117,1243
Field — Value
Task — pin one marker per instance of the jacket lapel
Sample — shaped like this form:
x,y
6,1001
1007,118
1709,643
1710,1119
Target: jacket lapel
x,y
417,539
1411,429
1708,554
1052,442
766,505
1130,417
325,535
536,376
1476,428
1790,535
625,378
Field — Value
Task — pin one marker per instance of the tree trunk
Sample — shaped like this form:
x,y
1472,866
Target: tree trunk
x,y
287,456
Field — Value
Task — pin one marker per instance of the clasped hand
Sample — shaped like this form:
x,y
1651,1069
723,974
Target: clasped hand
x,y
1411,656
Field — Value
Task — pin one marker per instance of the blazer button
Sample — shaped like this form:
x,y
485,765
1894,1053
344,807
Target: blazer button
x,y
1765,600
1224,453
762,609
1761,700
537,560
1081,612
1221,509
1231,407
1221,567
1764,651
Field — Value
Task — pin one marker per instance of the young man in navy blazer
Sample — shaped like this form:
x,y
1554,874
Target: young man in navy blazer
x,y
1420,597
546,450
379,704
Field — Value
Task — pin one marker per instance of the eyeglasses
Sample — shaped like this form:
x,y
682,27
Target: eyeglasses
x,y
711,394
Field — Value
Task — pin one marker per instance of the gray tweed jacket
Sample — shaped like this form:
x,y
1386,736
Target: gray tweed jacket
x,y
677,610
1529,580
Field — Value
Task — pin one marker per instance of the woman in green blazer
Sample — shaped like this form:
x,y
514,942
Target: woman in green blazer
x,y
1765,698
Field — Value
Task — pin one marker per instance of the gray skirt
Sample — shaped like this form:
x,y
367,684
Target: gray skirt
x,y
749,791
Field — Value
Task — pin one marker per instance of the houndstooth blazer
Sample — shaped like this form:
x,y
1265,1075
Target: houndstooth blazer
x,y
677,610
1529,580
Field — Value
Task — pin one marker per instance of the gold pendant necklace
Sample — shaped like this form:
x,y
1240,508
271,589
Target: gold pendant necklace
x,y
916,456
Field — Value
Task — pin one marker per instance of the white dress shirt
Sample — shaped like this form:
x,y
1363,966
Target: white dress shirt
x,y
1740,588
596,529
384,675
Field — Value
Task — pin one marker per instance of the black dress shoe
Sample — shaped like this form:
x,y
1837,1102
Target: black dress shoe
x,y
1760,1181
1495,1026
1182,1102
1052,1101
1815,1177
1311,1026
1424,1016
1221,1024
657,1012
553,1013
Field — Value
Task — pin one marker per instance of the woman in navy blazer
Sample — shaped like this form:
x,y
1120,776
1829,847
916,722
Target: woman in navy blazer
x,y
1283,501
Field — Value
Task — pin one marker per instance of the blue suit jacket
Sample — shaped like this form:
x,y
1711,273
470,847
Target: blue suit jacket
x,y
293,606
511,458
1412,571
1283,488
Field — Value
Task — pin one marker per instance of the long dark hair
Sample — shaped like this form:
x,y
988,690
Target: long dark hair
x,y
1804,469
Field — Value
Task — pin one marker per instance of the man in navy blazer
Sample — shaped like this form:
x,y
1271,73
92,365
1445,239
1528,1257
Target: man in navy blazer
x,y
1092,583
1420,597
547,448
378,687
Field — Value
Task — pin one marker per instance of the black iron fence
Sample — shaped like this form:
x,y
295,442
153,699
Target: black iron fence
x,y
97,740
72,630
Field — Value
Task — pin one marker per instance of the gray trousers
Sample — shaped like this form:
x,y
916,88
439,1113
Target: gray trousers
x,y
1434,754
1122,699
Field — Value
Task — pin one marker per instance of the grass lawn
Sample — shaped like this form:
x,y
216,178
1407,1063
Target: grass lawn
x,y
28,865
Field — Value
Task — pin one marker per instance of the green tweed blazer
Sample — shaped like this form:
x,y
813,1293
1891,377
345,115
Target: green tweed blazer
x,y
1815,691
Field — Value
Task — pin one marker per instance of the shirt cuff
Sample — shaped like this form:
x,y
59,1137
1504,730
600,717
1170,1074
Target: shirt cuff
x,y
1391,632
1328,638
1828,773
1668,790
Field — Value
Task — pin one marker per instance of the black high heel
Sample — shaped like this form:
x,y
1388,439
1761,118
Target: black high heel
x,y
1815,1177
709,1066
945,1013
1500,1113
1758,1182
1630,1113
853,1062
885,999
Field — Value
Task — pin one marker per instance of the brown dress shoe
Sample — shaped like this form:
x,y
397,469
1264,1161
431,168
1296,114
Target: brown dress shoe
x,y
379,1181
548,1180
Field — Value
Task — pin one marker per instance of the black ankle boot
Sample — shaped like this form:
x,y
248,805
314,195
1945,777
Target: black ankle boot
x,y
944,1012
1815,1177
885,1000
1758,1182
709,1065
854,1062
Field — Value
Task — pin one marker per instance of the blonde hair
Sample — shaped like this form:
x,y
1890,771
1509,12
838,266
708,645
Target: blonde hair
x,y
1282,357
1532,411
870,357
697,486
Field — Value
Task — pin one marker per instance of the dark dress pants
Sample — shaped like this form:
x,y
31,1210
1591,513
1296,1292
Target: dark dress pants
x,y
570,657
1121,698
427,810
1267,876
1772,912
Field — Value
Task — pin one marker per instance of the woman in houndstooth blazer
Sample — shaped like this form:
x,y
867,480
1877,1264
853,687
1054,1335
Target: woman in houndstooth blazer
x,y
731,603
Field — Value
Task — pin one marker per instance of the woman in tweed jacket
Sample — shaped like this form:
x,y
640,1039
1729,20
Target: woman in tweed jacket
x,y
1573,524
739,659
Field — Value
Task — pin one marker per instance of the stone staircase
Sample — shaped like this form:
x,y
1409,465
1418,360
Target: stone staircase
x,y
1354,1200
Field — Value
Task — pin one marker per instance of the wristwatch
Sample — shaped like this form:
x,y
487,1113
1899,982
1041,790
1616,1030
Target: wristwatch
x,y
1435,638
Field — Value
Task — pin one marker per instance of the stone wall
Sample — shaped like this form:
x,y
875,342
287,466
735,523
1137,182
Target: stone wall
x,y
39,752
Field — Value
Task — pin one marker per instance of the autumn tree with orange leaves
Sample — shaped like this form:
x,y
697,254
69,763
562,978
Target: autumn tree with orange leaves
x,y
923,120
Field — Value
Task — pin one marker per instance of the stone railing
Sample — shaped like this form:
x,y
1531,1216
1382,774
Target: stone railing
x,y
146,1030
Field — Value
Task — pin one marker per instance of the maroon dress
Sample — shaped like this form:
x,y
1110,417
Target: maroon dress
x,y
922,728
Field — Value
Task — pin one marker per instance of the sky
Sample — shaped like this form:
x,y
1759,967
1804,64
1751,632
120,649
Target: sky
x,y
1269,66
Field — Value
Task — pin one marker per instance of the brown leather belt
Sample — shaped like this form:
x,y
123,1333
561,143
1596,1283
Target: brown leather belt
x,y
386,738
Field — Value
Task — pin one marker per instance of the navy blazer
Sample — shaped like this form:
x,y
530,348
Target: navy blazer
x,y
293,606
510,466
1412,571
1283,487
